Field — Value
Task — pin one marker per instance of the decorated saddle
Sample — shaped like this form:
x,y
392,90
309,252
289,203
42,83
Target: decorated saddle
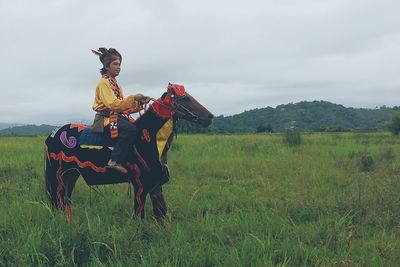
x,y
90,138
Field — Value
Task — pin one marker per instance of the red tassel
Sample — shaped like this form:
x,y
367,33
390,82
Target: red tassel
x,y
68,211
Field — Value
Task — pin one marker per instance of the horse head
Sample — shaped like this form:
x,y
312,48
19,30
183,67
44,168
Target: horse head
x,y
187,107
177,103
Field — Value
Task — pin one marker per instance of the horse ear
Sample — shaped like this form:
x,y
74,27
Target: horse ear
x,y
169,89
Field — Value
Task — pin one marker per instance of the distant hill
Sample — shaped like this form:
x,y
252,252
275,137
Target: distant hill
x,y
8,125
306,116
28,130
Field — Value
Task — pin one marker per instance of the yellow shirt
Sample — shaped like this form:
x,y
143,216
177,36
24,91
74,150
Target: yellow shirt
x,y
106,99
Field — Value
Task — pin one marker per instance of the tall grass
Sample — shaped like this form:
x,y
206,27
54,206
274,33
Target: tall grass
x,y
234,200
292,137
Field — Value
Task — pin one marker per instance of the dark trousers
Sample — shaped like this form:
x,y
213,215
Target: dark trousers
x,y
127,133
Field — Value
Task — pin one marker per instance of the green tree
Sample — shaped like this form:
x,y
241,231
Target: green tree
x,y
394,124
264,128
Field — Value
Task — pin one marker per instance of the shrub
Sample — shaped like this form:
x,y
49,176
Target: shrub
x,y
264,128
366,163
292,137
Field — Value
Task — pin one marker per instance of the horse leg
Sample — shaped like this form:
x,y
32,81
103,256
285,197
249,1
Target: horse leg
x,y
50,169
139,200
59,183
159,205
139,191
70,177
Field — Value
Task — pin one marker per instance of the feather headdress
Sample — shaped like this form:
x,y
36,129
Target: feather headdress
x,y
107,56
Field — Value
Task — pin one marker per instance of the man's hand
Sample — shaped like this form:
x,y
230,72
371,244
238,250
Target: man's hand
x,y
141,98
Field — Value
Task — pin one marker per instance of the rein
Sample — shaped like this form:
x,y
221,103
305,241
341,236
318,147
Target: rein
x,y
183,110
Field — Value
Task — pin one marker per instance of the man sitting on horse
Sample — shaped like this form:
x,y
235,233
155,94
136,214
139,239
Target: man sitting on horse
x,y
112,109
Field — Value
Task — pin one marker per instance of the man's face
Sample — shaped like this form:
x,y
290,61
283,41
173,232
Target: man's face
x,y
114,68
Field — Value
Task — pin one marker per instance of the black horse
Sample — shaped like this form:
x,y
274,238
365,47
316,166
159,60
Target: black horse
x,y
68,154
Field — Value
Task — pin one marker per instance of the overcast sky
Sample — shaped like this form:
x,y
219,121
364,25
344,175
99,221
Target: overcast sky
x,y
230,55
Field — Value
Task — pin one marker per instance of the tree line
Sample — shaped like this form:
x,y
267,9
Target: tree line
x,y
315,116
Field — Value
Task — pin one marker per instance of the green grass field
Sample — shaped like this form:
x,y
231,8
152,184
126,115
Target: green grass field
x,y
233,200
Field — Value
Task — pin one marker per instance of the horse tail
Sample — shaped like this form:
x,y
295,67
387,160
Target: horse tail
x,y
50,178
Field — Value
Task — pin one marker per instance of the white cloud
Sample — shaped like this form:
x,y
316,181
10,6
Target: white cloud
x,y
231,55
